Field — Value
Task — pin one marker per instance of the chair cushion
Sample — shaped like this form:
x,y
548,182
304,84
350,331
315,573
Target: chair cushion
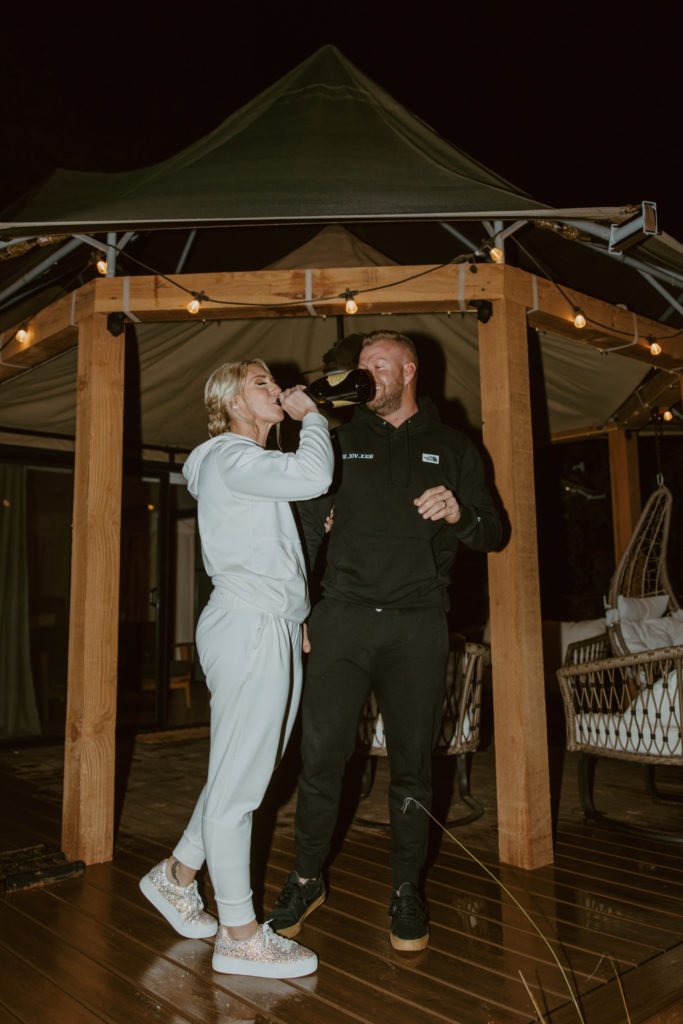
x,y
636,609
651,725
649,634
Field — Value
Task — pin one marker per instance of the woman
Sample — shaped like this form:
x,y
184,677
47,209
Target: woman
x,y
249,643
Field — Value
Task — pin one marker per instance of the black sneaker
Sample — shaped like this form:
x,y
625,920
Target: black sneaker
x,y
408,915
296,901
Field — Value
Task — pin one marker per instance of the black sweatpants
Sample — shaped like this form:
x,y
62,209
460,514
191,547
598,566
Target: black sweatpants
x,y
401,655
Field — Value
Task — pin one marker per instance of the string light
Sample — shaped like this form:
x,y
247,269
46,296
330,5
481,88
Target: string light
x,y
667,415
101,264
579,320
496,254
22,335
351,306
196,300
655,348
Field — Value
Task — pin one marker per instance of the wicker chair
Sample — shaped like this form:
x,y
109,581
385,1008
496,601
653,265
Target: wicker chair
x,y
460,723
619,704
642,571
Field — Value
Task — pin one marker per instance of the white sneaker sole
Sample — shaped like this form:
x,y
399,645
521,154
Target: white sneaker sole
x,y
188,929
264,968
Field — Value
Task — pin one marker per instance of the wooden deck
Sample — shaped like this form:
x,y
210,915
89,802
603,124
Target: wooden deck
x,y
92,949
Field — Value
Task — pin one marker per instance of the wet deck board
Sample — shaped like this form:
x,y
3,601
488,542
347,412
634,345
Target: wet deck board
x,y
92,949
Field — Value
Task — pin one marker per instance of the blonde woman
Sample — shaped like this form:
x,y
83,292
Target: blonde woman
x,y
249,640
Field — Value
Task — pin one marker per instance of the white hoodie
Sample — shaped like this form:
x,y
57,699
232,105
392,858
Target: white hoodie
x,y
250,544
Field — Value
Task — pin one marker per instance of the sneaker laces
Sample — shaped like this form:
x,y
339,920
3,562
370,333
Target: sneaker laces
x,y
408,906
193,895
291,889
272,937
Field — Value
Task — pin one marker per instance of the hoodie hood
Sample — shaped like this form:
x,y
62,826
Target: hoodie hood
x,y
194,461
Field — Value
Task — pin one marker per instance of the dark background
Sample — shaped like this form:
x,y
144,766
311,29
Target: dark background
x,y
572,103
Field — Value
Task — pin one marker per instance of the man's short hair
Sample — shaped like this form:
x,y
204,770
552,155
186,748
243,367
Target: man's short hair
x,y
400,339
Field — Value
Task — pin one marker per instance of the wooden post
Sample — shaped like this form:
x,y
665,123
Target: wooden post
x,y
522,778
88,808
624,472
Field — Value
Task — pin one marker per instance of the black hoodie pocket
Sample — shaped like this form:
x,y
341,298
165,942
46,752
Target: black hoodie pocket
x,y
381,567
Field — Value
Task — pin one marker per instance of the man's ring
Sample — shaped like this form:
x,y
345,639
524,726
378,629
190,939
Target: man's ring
x,y
444,502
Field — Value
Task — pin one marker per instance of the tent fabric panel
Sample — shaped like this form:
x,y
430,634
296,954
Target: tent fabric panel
x,y
583,387
322,142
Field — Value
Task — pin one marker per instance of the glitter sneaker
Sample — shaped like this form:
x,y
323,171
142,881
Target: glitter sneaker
x,y
408,914
296,901
181,905
265,954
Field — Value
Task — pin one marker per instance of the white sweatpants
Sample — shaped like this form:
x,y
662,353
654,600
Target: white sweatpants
x,y
252,663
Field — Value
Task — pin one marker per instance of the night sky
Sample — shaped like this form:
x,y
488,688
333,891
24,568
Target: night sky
x,y
574,105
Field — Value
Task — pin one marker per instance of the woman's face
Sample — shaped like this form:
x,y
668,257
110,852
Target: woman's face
x,y
259,398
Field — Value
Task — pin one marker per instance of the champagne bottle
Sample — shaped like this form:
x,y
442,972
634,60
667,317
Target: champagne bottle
x,y
347,387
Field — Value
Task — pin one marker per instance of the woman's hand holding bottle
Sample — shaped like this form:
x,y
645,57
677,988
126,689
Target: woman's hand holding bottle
x,y
296,402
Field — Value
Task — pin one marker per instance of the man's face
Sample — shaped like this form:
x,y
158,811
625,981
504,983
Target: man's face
x,y
385,362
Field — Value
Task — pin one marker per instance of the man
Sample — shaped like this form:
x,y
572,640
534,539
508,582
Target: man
x,y
409,490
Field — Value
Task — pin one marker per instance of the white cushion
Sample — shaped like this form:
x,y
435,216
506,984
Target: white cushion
x,y
636,609
653,633
651,725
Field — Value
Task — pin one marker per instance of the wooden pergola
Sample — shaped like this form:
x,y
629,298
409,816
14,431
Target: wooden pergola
x,y
518,300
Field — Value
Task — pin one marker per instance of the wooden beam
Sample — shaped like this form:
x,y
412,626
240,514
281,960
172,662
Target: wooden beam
x,y
581,433
88,808
524,818
659,391
609,328
278,293
49,332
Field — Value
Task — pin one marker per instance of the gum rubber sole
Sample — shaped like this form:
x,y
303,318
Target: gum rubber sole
x,y
294,929
409,945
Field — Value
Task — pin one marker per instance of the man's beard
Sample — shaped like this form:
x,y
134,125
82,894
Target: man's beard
x,y
387,401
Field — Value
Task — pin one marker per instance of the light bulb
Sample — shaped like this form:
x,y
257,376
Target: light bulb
x,y
579,320
22,336
496,254
667,415
351,306
193,306
102,265
655,349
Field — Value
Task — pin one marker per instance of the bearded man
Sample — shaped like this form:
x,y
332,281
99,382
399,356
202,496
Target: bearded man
x,y
409,490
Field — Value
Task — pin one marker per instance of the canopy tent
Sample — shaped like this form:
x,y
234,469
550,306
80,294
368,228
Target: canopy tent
x,y
324,145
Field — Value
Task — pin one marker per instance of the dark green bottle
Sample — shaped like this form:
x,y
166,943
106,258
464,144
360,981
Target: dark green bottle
x,y
345,387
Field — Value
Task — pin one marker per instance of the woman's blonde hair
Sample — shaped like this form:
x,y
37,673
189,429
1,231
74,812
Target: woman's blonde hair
x,y
223,384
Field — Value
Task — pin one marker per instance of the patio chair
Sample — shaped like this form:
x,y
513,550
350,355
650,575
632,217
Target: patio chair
x,y
460,723
622,691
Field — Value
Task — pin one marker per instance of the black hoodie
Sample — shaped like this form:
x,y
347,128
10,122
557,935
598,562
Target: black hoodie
x,y
382,553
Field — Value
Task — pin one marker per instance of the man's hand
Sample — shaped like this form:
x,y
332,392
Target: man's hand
x,y
438,503
296,402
